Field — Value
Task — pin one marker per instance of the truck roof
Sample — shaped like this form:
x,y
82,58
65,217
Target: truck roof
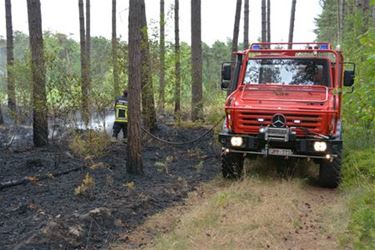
x,y
298,49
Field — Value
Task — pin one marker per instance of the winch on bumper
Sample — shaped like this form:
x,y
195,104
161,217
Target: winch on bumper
x,y
280,142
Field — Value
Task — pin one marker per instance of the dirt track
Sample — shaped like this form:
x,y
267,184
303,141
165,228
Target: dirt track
x,y
47,214
254,213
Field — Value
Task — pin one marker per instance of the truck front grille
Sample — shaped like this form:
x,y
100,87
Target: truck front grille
x,y
250,122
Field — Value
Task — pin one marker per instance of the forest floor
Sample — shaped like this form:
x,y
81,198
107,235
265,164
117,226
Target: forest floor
x,y
253,213
47,212
181,202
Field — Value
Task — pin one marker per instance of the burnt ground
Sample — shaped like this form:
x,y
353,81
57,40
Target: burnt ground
x,y
47,214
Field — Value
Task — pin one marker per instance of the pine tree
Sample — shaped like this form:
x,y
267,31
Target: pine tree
x,y
340,20
177,95
264,21
116,84
162,58
236,28
88,43
40,122
246,25
134,163
291,25
148,102
268,20
1,117
84,66
196,61
10,60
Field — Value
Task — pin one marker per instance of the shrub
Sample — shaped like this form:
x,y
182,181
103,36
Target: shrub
x,y
91,143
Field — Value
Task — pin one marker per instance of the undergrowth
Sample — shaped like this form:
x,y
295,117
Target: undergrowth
x,y
359,183
90,144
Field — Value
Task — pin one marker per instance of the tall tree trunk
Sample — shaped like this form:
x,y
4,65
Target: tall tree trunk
x,y
1,116
134,163
264,21
40,123
246,25
10,60
177,96
88,54
339,23
366,8
84,76
162,58
291,25
116,84
148,103
196,61
268,20
366,5
237,18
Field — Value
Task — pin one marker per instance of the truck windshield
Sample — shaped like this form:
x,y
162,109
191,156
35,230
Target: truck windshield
x,y
287,71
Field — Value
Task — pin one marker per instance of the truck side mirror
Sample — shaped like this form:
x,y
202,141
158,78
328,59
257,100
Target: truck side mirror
x,y
225,74
349,78
349,74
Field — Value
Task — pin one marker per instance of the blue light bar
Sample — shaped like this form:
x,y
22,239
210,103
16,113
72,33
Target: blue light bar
x,y
255,47
323,46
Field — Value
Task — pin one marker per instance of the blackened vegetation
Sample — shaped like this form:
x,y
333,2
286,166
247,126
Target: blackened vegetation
x,y
46,214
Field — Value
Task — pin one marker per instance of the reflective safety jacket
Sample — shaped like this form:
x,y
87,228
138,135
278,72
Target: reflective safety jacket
x,y
121,109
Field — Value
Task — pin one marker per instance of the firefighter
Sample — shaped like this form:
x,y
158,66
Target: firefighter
x,y
121,116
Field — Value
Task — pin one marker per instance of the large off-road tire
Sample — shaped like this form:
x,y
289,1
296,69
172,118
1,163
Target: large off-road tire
x,y
232,165
329,172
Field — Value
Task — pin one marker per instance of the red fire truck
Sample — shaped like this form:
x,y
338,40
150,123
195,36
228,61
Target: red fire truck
x,y
285,100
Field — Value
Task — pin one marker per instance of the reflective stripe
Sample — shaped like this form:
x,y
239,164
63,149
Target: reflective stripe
x,y
121,113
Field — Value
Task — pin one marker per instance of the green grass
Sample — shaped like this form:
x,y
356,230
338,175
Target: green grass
x,y
359,184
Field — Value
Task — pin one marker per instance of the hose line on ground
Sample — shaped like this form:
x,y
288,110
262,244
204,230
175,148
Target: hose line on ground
x,y
183,143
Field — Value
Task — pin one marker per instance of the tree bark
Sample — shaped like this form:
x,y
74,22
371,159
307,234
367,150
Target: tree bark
x,y
196,61
246,25
264,21
366,14
10,60
268,20
88,39
40,123
162,58
291,25
339,21
116,84
177,96
88,56
84,76
134,164
1,117
148,102
366,5
237,18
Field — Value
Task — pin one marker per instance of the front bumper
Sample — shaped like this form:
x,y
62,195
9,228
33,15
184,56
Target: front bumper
x,y
288,146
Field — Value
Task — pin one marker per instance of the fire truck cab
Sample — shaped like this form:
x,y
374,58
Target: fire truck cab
x,y
285,100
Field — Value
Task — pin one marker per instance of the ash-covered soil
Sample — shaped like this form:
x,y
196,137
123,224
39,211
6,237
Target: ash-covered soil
x,y
47,214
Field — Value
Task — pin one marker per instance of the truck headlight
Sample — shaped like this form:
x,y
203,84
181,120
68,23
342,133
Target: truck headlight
x,y
236,141
320,146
